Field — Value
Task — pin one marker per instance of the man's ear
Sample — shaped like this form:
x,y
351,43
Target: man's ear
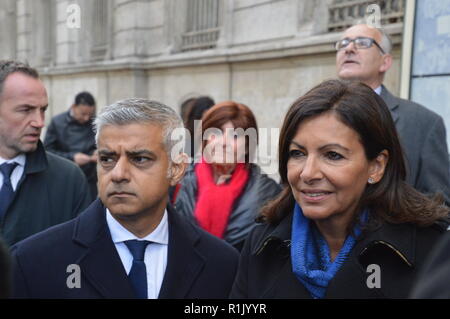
x,y
178,168
387,63
378,166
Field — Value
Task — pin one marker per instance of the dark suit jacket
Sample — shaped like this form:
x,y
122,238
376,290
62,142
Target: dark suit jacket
x,y
52,190
199,265
423,137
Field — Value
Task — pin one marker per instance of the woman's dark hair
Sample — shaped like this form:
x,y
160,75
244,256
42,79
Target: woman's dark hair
x,y
195,108
185,108
360,108
240,115
198,107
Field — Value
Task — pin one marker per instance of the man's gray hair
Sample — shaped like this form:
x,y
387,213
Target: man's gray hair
x,y
386,43
136,110
8,67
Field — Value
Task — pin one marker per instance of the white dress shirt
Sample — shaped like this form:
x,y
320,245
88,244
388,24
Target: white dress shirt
x,y
378,90
17,173
155,257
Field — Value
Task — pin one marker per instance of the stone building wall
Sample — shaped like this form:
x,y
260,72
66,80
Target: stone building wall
x,y
263,53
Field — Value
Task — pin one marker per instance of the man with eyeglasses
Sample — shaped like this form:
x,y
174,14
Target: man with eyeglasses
x,y
364,54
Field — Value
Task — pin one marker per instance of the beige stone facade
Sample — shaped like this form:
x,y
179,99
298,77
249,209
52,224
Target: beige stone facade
x,y
263,53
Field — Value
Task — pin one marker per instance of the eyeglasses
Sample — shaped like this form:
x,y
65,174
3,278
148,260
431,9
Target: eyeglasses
x,y
360,43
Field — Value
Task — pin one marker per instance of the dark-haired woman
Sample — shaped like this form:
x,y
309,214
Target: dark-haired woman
x,y
224,191
197,108
346,224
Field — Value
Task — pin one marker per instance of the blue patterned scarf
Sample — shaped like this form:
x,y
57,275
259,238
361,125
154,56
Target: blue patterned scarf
x,y
310,254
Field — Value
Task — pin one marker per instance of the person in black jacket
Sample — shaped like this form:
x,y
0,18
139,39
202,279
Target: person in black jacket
x,y
71,135
346,224
225,189
129,243
38,189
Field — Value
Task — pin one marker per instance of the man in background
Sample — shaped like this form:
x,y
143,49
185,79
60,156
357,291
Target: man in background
x,y
71,135
38,189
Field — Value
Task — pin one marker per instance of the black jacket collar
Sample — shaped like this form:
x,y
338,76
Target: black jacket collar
x,y
68,118
36,161
280,234
399,238
184,260
100,261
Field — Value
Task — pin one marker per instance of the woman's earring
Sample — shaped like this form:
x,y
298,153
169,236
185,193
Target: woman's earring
x,y
371,180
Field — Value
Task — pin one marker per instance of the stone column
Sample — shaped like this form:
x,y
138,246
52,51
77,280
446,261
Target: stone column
x,y
138,28
8,32
66,34
226,22
23,29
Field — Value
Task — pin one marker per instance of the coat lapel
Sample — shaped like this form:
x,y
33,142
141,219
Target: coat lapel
x,y
392,103
371,248
100,266
281,281
184,262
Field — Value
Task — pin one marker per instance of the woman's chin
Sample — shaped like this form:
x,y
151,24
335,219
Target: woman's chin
x,y
224,168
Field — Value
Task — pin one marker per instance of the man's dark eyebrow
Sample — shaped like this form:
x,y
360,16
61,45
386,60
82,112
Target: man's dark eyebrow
x,y
140,153
32,106
106,153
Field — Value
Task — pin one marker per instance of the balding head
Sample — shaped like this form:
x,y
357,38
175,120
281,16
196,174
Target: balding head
x,y
367,65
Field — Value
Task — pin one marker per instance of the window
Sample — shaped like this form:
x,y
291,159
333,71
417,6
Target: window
x,y
8,33
344,13
203,25
100,15
42,33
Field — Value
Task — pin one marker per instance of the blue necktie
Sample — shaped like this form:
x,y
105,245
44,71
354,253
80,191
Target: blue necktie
x,y
138,272
6,192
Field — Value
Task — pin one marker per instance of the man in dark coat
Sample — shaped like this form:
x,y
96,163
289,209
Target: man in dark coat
x,y
363,54
38,189
129,243
71,135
